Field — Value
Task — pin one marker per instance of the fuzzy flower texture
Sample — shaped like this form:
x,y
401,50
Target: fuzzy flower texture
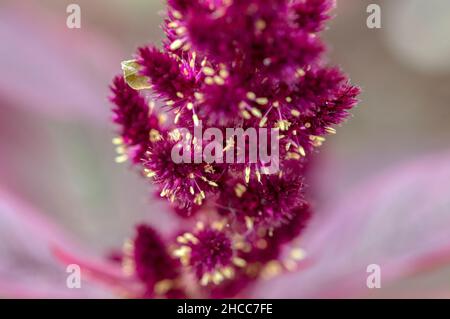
x,y
227,64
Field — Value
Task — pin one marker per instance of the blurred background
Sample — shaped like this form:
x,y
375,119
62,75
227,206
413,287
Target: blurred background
x,y
55,129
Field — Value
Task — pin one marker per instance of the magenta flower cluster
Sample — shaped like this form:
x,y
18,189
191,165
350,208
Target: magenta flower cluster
x,y
227,63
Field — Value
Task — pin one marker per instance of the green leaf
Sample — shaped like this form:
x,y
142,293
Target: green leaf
x,y
130,70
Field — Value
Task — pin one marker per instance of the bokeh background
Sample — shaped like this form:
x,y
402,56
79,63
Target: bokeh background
x,y
55,131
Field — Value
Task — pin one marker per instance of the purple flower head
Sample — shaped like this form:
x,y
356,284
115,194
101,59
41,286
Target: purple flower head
x,y
152,262
241,64
185,184
133,114
170,77
266,202
312,15
209,253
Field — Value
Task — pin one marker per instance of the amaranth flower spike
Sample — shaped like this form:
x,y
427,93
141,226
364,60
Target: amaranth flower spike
x,y
238,64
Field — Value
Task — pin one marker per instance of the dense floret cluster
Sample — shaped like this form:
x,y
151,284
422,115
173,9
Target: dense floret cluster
x,y
227,64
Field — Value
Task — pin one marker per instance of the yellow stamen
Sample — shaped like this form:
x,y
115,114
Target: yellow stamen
x,y
163,286
272,269
228,272
300,73
298,254
208,71
209,80
239,262
224,73
263,122
205,279
240,190
249,222
295,113
154,135
246,115
117,141
291,155
195,119
283,125
262,101
177,15
247,174
256,112
260,25
217,278
302,151
178,43
218,80
121,159
251,96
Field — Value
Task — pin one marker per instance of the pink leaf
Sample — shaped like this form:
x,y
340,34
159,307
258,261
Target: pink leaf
x,y
51,69
28,268
399,220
